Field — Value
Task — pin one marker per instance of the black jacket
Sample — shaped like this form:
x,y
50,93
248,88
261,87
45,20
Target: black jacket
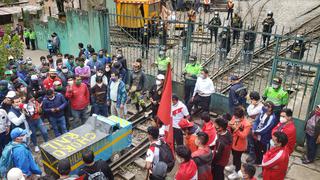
x,y
96,167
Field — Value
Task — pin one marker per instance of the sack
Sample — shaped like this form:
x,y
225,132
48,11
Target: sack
x,y
165,155
96,176
6,160
242,92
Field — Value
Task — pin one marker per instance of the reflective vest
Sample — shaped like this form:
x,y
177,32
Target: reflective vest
x,y
33,35
278,97
26,34
163,63
193,69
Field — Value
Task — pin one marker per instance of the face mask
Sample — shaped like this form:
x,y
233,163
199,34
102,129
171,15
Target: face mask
x,y
99,74
283,120
94,58
64,70
275,86
272,144
100,56
52,77
78,82
202,76
119,55
107,69
51,98
81,65
22,89
29,62
60,67
70,83
24,139
158,82
113,79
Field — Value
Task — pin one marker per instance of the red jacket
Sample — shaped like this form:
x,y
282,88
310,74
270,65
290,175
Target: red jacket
x,y
239,135
290,130
203,159
275,163
210,130
187,170
48,82
79,96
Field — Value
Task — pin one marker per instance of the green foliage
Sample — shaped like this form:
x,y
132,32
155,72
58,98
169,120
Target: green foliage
x,y
9,46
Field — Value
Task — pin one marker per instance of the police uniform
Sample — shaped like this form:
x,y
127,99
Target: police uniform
x,y
268,23
297,52
162,64
224,47
33,40
236,23
192,70
145,40
215,21
26,35
248,47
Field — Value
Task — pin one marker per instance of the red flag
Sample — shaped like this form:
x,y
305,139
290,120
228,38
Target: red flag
x,y
164,110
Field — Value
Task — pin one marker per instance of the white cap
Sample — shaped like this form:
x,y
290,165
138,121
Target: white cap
x,y
160,76
56,83
15,174
34,77
11,94
10,57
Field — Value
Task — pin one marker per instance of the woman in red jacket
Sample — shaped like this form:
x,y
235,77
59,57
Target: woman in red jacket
x,y
187,169
287,126
275,161
240,128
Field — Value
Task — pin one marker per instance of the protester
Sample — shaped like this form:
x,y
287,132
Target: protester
x,y
221,149
179,111
208,127
275,161
97,169
187,168
83,71
287,126
64,169
48,82
99,97
155,94
190,134
203,157
247,172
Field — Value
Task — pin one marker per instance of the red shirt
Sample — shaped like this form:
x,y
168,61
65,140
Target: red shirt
x,y
203,159
290,130
210,130
48,82
190,142
79,96
275,163
187,171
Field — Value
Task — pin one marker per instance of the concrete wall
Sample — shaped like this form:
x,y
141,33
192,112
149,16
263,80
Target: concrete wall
x,y
80,26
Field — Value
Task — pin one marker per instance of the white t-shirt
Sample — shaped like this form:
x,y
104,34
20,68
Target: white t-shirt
x,y
254,110
153,153
178,112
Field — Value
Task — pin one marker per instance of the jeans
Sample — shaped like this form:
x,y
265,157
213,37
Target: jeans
x,y
178,136
38,124
218,172
100,109
58,125
80,116
311,147
237,159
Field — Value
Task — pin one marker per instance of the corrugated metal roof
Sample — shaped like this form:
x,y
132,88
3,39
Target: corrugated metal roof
x,y
17,9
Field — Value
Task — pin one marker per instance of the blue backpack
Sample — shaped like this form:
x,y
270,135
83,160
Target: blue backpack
x,y
6,160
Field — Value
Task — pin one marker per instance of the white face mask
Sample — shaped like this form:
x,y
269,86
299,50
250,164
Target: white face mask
x,y
158,82
64,70
275,86
107,69
283,120
70,83
22,89
24,139
202,76
99,74
272,144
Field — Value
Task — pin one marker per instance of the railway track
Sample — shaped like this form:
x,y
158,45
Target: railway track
x,y
313,33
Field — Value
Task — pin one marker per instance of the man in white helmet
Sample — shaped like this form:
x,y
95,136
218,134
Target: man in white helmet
x,y
155,94
15,174
267,24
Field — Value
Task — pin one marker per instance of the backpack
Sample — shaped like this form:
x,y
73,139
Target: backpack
x,y
6,160
96,176
165,155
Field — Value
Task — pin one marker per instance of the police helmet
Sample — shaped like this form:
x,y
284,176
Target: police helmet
x,y
270,13
216,13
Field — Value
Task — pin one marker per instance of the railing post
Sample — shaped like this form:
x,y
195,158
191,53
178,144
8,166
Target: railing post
x,y
275,59
186,51
106,31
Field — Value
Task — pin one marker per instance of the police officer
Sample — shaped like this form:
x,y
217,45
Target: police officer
x,y
191,73
162,34
213,26
162,62
224,47
236,24
237,94
267,24
297,50
248,44
155,94
33,39
26,35
145,40
277,95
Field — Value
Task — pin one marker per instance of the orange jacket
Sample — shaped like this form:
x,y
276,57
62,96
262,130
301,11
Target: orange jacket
x,y
240,133
190,142
230,5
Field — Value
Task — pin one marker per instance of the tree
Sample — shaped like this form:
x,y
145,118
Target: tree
x,y
10,45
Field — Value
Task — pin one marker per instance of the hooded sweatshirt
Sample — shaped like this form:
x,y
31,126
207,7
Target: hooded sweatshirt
x,y
187,171
203,158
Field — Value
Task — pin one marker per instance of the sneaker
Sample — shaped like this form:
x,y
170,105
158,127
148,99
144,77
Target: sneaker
x,y
230,168
306,161
36,149
233,176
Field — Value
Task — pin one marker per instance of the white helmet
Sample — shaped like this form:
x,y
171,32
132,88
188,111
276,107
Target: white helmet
x,y
160,76
15,174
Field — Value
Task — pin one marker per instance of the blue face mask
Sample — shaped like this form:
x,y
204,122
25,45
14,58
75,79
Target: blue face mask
x,y
113,79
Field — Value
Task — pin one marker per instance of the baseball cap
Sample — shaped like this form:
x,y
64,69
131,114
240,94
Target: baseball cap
x,y
184,123
56,83
52,71
8,72
234,78
160,76
15,174
11,94
17,132
277,80
34,77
